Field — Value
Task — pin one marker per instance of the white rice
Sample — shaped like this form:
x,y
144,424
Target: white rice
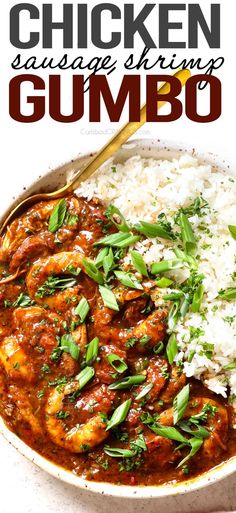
x,y
144,188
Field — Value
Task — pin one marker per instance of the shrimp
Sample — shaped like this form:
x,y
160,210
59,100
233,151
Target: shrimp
x,y
87,432
34,327
32,247
67,365
43,269
123,294
216,418
15,361
140,339
36,332
35,316
103,316
105,373
22,241
33,221
37,326
149,332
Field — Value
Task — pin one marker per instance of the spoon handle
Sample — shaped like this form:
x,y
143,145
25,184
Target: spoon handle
x,y
97,160
119,138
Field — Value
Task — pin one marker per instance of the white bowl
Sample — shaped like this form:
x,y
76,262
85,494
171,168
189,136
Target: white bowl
x,y
51,181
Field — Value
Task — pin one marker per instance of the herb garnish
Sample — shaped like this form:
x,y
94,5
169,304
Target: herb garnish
x,y
82,309
66,344
119,415
109,298
57,216
54,283
117,218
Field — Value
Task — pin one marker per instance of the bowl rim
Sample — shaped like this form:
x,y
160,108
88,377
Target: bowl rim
x,y
169,149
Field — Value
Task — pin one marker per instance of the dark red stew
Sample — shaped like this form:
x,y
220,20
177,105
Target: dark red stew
x,y
87,377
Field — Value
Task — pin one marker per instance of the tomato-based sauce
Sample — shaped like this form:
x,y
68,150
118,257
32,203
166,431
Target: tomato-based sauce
x,y
86,379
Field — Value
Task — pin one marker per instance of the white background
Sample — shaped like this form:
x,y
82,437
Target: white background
x,y
28,150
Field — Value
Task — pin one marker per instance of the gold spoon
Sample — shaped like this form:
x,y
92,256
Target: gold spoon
x,y
97,160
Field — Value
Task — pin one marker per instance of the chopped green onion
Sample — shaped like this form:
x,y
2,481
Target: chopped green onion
x,y
92,351
85,376
119,415
92,271
127,382
184,307
168,432
191,355
138,444
144,340
180,403
174,296
200,432
100,257
109,298
118,240
117,363
158,348
173,316
71,219
68,345
171,348
116,452
129,241
144,391
196,444
153,230
189,241
166,265
197,299
108,262
128,280
82,309
163,283
116,217
139,263
232,230
231,366
57,216
228,294
188,259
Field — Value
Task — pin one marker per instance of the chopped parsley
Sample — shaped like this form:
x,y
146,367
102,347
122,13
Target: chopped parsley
x,y
198,207
131,342
62,414
202,416
45,369
40,394
54,283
